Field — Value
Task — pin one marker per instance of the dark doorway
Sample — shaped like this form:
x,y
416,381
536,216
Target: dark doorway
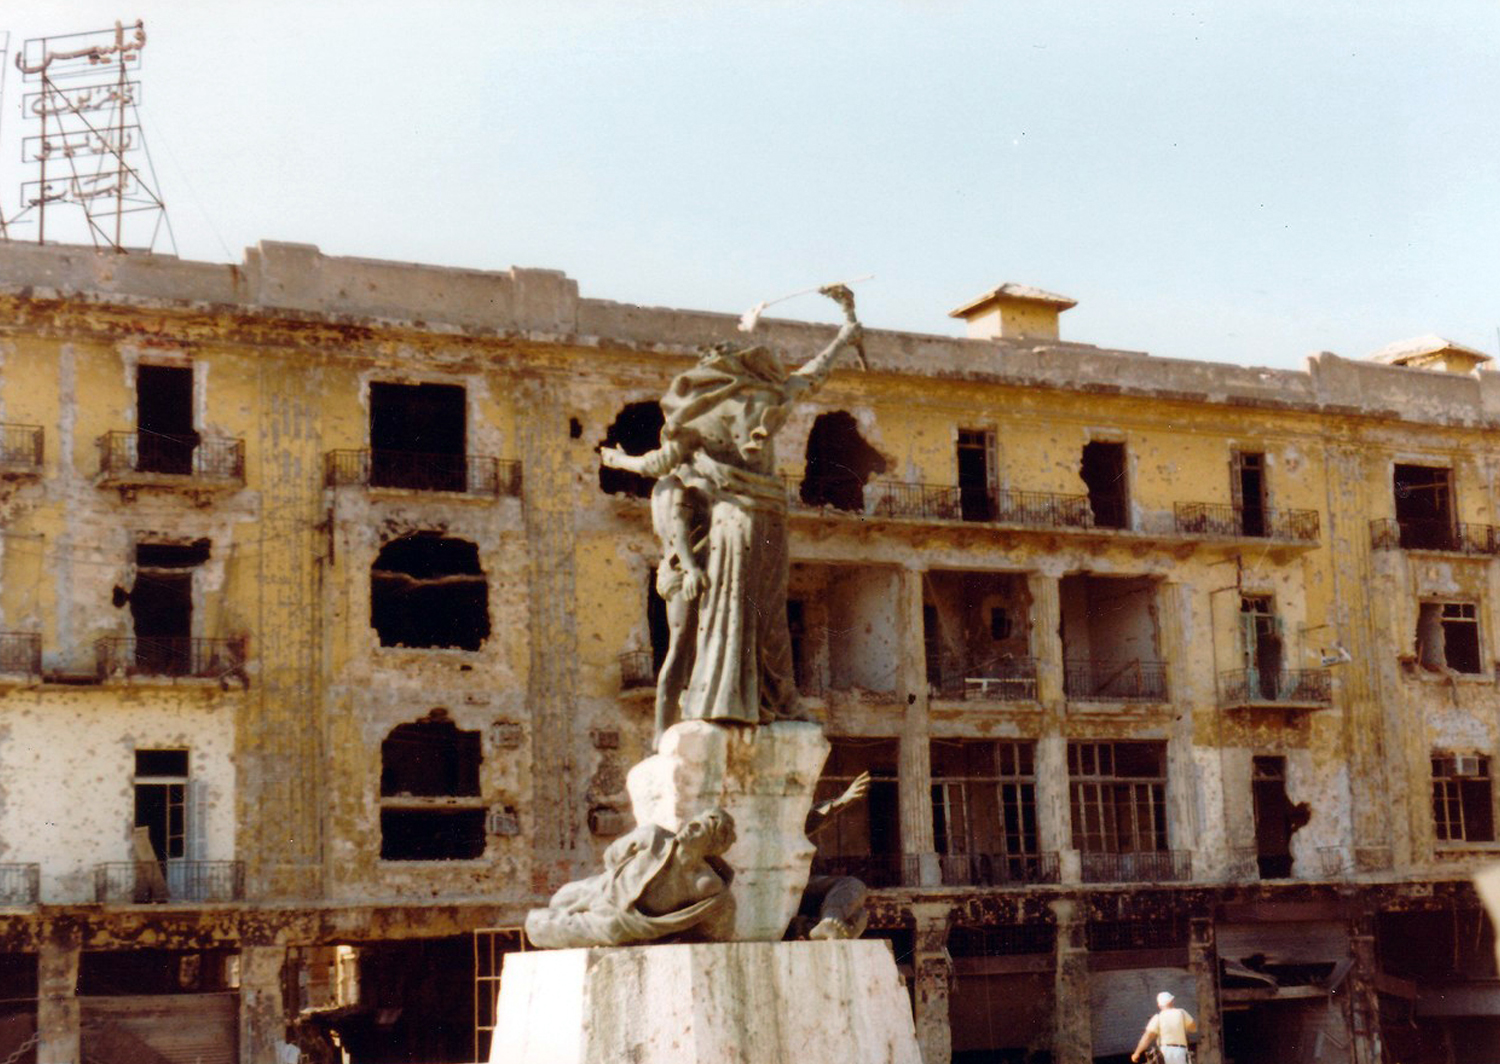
x,y
1103,472
839,463
1424,506
165,439
161,778
1275,817
637,430
418,435
427,590
416,1003
1263,646
1249,488
161,606
976,499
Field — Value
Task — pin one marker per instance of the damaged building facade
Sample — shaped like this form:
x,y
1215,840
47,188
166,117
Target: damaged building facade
x,y
325,643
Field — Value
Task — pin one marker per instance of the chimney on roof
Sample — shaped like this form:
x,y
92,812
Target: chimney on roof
x,y
1013,312
1431,352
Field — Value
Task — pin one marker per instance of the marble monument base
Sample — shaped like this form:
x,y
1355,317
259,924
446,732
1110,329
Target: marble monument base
x,y
706,1003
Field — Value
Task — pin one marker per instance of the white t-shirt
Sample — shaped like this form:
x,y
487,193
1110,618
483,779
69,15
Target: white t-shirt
x,y
1170,1026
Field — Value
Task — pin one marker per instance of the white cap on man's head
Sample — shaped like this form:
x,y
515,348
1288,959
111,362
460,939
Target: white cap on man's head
x,y
1164,999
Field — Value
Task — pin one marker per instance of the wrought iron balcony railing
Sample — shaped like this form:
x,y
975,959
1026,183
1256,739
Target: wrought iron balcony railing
x,y
20,884
1159,866
21,447
188,455
21,653
637,669
134,882
999,680
469,474
1115,681
1294,687
1463,538
170,656
997,869
1250,522
875,871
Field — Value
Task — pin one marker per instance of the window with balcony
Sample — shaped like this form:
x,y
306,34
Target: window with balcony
x,y
429,786
976,634
1103,473
1247,482
1424,507
1118,799
1462,798
161,606
984,811
977,474
1448,637
864,839
1109,636
418,436
164,419
839,463
161,795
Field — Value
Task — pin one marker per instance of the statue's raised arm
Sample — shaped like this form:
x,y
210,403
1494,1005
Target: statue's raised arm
x,y
812,373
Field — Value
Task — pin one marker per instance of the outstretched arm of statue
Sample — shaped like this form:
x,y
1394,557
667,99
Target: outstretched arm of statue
x,y
824,812
811,374
658,463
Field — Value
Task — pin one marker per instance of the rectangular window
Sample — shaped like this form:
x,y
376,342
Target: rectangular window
x,y
1103,473
984,797
1424,507
1462,802
976,474
165,438
161,606
1248,484
1448,636
418,436
864,839
161,781
1118,796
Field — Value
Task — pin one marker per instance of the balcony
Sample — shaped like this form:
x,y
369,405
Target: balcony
x,y
1115,681
912,500
137,882
1291,689
148,457
876,871
1389,534
997,869
175,656
999,680
20,654
410,471
1245,522
637,670
20,884
20,449
1160,866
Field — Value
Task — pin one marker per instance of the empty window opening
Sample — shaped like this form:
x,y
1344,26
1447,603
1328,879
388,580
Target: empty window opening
x,y
976,474
1261,644
975,635
637,430
427,590
1103,473
431,834
1448,637
657,625
575,429
1424,506
866,836
839,463
164,419
1276,818
1462,798
851,632
1118,796
983,808
1109,637
161,606
1436,947
430,758
18,1005
418,436
161,795
796,628
137,971
1248,484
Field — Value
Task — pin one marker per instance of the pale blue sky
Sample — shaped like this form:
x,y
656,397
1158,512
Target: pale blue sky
x,y
1239,181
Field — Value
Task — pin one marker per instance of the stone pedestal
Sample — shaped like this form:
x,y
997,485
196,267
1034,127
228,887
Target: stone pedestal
x,y
763,777
705,1003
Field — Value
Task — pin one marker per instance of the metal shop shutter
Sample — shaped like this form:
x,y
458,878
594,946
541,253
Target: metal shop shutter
x,y
1122,1002
162,1029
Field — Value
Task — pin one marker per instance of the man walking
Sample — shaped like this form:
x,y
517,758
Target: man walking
x,y
1169,1027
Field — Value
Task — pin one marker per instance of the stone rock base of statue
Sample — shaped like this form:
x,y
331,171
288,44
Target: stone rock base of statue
x,y
763,777
705,1003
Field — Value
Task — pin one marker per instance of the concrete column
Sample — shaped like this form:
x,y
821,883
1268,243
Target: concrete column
x,y
262,1010
1364,1045
57,1015
1054,827
915,793
1072,1033
934,978
1203,961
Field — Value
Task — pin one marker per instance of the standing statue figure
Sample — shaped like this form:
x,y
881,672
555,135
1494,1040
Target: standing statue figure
x,y
719,510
